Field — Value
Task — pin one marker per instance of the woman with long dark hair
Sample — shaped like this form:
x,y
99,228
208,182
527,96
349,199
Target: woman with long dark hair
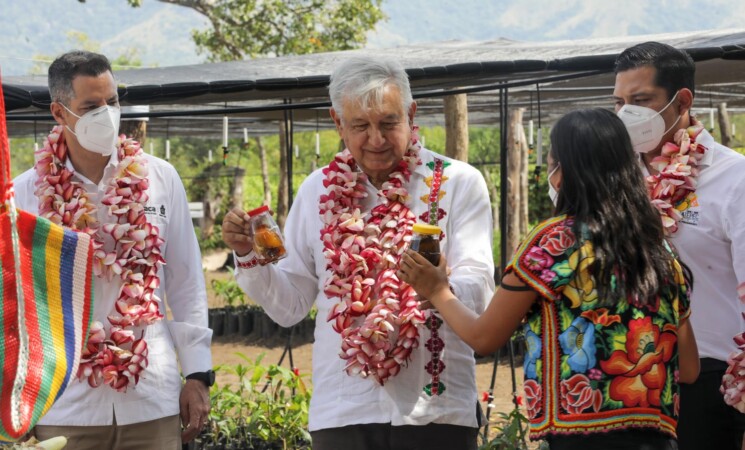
x,y
604,299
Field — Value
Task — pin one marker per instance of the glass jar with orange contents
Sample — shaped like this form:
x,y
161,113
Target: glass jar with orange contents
x,y
268,242
425,240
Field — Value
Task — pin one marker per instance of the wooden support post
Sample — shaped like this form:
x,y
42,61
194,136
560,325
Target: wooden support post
x,y
514,162
724,125
456,127
135,128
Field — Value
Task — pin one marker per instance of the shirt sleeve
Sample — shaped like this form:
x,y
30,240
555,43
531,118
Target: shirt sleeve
x,y
733,222
469,245
542,259
184,286
287,290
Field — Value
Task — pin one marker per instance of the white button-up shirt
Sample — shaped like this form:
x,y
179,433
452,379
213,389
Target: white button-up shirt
x,y
288,290
183,338
711,241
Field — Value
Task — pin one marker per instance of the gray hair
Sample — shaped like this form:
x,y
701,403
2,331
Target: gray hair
x,y
66,67
363,79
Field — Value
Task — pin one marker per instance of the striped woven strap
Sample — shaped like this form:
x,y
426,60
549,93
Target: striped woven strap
x,y
45,306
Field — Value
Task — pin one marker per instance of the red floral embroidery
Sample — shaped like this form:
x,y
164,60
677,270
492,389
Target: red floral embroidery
x,y
640,371
533,397
577,394
558,240
253,262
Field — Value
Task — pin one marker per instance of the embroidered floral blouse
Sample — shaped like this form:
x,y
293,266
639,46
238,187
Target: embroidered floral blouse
x,y
592,368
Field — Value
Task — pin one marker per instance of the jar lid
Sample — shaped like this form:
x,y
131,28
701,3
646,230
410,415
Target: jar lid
x,y
423,228
258,210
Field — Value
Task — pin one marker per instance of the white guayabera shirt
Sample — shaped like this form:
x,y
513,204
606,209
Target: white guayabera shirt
x,y
181,338
288,290
711,241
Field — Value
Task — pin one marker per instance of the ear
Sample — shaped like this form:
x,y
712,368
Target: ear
x,y
337,120
685,100
58,112
412,112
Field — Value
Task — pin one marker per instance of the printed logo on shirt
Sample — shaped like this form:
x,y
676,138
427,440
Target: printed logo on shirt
x,y
690,217
688,208
156,211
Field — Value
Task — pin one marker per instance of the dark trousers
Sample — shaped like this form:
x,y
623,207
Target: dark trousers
x,y
383,436
616,440
705,421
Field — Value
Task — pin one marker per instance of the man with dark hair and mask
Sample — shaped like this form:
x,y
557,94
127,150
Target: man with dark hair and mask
x,y
87,177
698,187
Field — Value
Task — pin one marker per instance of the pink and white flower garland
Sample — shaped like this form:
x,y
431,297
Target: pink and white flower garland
x,y
678,170
733,382
117,359
377,315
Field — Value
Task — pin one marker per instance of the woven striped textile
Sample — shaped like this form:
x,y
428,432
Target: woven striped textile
x,y
45,307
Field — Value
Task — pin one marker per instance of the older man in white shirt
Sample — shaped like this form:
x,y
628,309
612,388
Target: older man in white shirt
x,y
403,379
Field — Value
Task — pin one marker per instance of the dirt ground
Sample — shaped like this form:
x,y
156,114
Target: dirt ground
x,y
225,350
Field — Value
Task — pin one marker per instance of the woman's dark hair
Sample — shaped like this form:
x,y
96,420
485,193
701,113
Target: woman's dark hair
x,y
604,190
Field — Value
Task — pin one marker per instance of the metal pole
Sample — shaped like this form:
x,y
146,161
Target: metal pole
x,y
503,124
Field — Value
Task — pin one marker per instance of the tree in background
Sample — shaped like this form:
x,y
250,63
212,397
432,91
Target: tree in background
x,y
244,29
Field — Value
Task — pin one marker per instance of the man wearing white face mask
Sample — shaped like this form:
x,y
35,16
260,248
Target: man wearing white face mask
x,y
698,187
87,177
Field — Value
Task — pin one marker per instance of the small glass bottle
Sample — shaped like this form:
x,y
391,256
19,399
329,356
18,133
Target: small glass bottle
x,y
425,240
268,242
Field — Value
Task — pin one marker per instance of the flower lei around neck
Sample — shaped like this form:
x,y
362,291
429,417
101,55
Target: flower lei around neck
x,y
128,248
677,168
377,314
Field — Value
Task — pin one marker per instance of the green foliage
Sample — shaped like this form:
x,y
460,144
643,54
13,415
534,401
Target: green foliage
x,y
21,155
512,430
313,312
539,204
269,402
213,241
250,28
302,165
228,291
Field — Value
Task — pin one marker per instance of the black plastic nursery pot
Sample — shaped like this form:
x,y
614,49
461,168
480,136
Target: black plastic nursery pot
x,y
216,317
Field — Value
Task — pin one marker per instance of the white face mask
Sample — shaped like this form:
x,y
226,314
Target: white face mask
x,y
97,130
553,194
645,125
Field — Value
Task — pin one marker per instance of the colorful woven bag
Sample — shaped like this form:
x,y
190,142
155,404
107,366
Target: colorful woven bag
x,y
45,307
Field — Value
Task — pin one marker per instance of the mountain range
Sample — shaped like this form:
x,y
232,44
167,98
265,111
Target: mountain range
x,y
161,32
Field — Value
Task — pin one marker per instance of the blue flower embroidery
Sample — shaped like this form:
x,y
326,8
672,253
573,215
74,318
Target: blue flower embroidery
x,y
578,341
533,352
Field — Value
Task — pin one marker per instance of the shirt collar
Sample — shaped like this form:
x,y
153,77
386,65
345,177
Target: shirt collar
x,y
707,140
425,156
113,161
